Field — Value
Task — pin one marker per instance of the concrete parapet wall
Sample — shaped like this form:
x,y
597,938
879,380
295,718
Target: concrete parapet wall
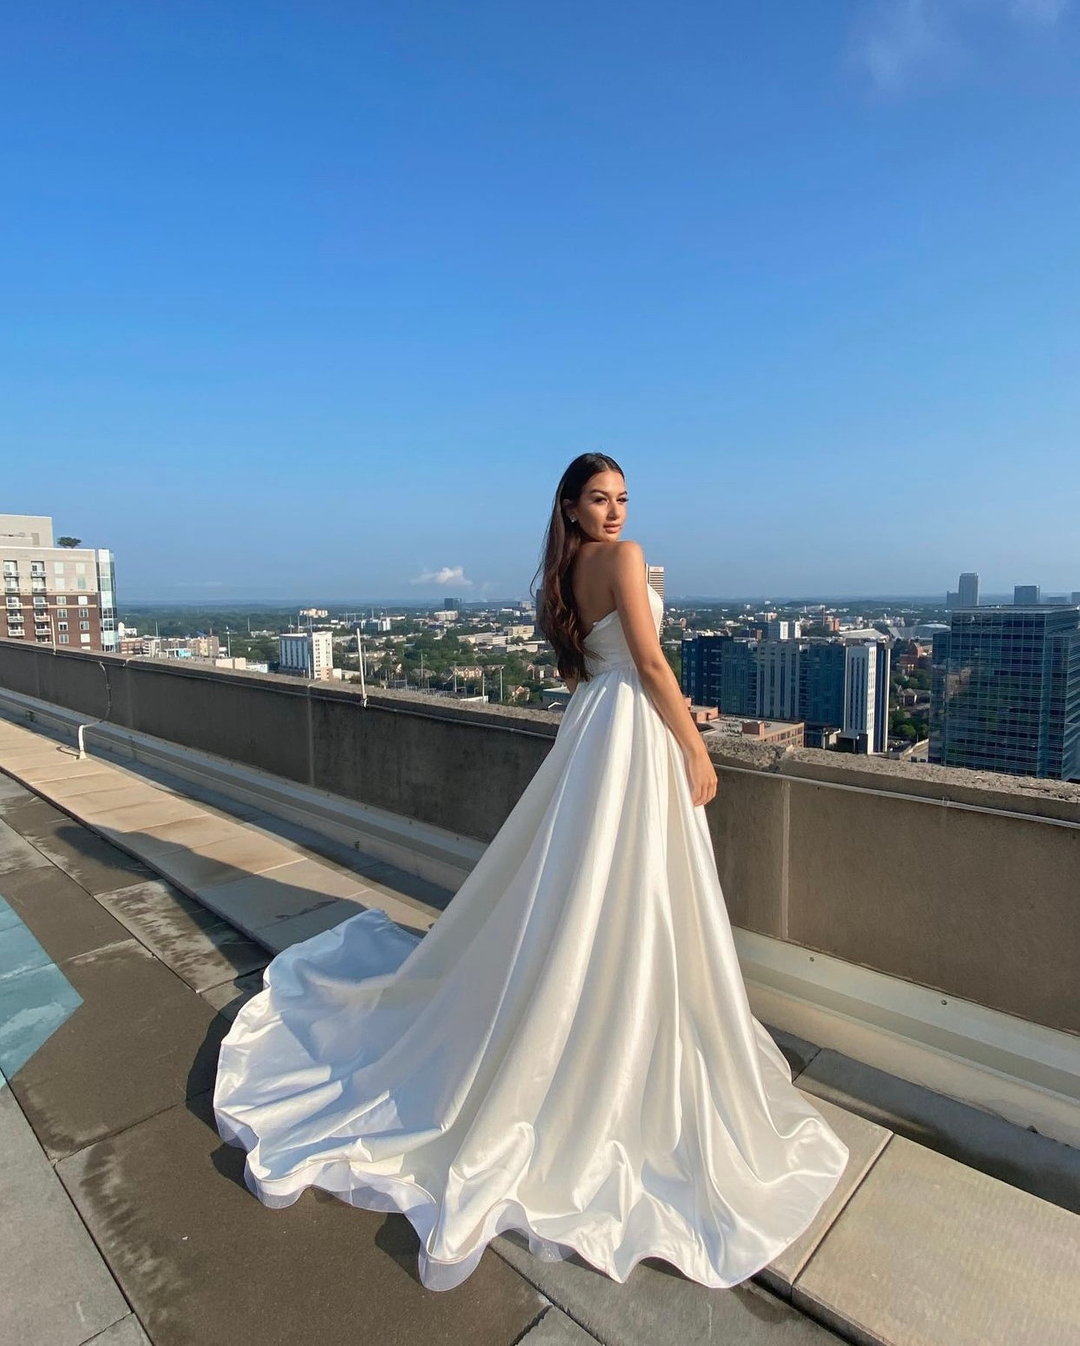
x,y
956,880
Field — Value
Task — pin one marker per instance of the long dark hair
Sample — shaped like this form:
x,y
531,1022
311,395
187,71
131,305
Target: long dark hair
x,y
556,612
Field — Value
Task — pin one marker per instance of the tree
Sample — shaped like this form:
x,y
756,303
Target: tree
x,y
69,541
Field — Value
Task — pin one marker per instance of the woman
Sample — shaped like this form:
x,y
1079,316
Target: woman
x,y
569,1051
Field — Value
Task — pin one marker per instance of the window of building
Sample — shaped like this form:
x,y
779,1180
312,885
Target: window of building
x,y
62,639
58,567
85,640
61,612
80,567
81,582
84,626
83,600
61,626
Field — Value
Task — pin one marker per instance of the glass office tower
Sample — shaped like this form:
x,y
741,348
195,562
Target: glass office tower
x,y
1006,692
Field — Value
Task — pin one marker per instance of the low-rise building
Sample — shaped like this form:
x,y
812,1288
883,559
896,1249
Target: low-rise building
x,y
783,732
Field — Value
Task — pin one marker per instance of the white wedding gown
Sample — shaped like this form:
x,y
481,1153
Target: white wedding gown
x,y
568,1052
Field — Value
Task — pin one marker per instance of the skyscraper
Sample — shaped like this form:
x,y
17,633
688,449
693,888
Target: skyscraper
x,y
1005,692
969,590
1025,595
654,575
866,695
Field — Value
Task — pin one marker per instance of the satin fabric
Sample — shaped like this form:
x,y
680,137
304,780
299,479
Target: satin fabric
x,y
568,1052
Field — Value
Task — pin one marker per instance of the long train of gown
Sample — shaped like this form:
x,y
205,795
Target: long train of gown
x,y
568,1052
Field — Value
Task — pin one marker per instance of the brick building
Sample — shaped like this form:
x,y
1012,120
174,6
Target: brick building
x,y
54,595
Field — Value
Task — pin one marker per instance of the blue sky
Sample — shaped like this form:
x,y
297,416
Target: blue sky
x,y
318,299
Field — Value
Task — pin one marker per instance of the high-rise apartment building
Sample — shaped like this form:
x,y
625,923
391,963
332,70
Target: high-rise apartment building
x,y
968,592
721,671
307,654
55,595
1005,692
1025,595
828,685
866,699
822,678
778,680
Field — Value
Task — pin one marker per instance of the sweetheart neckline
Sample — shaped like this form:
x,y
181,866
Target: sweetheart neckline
x,y
613,613
601,621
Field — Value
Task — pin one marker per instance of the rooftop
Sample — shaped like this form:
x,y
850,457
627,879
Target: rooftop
x,y
146,884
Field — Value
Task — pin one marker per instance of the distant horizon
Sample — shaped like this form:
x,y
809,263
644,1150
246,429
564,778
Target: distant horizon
x,y
682,600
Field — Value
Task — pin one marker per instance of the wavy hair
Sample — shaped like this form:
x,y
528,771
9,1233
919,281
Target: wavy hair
x,y
556,612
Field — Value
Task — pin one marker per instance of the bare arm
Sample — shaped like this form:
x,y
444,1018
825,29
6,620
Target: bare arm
x,y
632,600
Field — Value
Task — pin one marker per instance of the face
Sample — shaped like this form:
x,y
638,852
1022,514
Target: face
x,y
600,510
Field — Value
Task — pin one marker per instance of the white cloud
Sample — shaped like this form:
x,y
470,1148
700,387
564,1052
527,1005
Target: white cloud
x,y
901,37
1038,11
897,40
446,575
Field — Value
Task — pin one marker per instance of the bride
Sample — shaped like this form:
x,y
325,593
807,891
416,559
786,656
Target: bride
x,y
569,1051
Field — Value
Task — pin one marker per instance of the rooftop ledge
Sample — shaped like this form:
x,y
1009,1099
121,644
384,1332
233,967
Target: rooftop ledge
x,y
864,896
913,916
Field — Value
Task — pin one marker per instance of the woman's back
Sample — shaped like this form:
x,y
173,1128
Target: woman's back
x,y
590,582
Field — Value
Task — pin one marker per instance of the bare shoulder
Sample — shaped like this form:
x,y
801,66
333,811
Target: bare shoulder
x,y
627,555
626,573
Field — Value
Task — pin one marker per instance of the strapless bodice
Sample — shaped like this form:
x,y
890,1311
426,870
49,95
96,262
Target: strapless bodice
x,y
605,645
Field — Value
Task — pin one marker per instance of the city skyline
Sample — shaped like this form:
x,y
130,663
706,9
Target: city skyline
x,y
802,597
360,601
339,293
